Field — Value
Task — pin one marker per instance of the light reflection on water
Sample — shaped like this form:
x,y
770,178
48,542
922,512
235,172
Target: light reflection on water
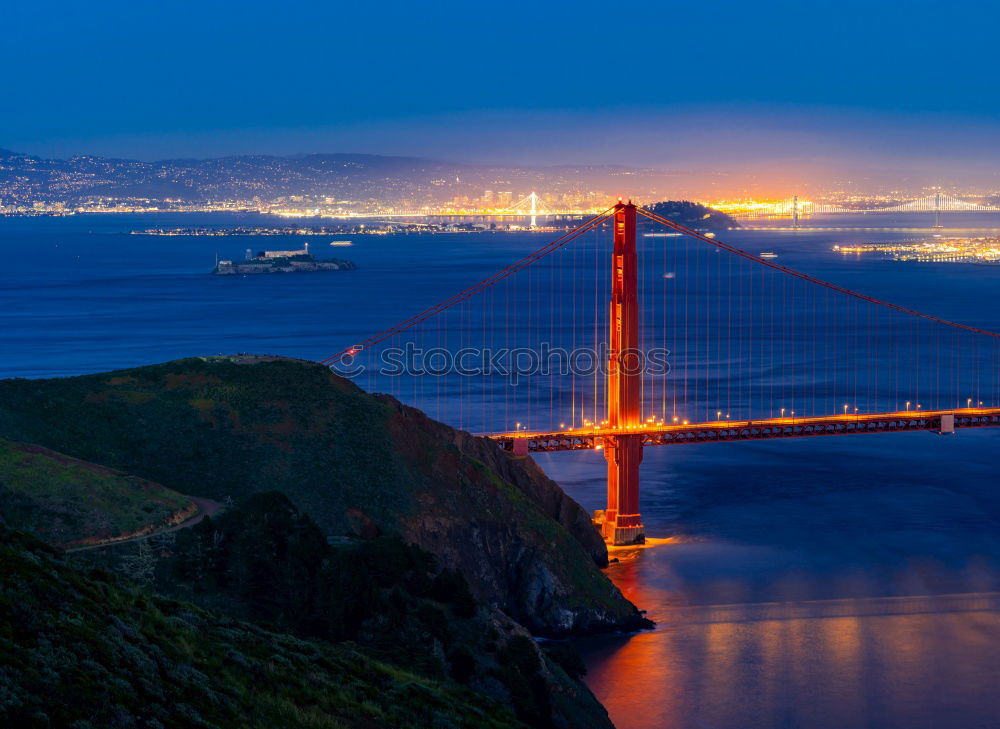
x,y
923,661
827,583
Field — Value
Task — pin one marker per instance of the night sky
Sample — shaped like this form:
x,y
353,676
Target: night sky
x,y
888,84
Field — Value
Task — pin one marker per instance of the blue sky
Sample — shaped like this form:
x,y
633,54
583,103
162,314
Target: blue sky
x,y
893,83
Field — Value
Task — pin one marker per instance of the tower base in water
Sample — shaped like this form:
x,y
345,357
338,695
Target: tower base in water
x,y
623,536
618,536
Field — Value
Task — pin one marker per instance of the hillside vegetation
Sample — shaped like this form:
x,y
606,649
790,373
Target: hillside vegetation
x,y
67,501
358,464
89,651
265,560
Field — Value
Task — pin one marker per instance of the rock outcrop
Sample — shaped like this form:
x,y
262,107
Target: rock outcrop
x,y
525,546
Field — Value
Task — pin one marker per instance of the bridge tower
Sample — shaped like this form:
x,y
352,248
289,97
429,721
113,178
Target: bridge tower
x,y
623,452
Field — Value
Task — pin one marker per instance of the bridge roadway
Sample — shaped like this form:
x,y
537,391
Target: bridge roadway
x,y
722,431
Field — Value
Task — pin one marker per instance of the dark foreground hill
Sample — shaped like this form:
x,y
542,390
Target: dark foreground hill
x,y
90,651
228,427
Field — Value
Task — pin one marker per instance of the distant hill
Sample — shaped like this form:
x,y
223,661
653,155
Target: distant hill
x,y
358,464
357,178
84,649
67,501
693,215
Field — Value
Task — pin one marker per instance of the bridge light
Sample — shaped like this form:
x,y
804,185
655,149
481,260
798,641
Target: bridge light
x,y
907,404
845,408
968,403
675,418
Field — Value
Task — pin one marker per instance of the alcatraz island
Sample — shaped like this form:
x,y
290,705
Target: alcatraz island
x,y
281,262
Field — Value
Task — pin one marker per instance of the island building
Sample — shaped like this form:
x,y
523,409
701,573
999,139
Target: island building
x,y
281,262
284,254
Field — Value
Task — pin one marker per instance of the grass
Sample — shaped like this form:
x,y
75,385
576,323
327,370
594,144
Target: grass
x,y
66,500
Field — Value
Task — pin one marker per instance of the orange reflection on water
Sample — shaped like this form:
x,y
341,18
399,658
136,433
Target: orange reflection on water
x,y
887,662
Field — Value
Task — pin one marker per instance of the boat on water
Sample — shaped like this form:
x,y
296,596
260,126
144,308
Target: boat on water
x,y
768,254
340,243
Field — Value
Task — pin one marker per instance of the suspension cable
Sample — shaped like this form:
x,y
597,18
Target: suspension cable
x,y
472,290
806,277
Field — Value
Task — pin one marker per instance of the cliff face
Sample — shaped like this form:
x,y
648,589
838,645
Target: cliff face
x,y
357,463
524,544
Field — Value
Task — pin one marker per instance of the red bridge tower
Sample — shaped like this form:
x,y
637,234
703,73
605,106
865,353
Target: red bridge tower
x,y
622,523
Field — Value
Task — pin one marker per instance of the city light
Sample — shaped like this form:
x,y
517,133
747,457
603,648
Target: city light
x,y
980,249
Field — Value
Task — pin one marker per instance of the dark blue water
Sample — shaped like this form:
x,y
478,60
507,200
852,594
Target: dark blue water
x,y
841,582
79,295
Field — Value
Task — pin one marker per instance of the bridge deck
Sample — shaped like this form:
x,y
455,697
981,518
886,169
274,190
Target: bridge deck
x,y
763,429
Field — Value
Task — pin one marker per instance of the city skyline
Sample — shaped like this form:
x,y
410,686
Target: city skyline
x,y
344,185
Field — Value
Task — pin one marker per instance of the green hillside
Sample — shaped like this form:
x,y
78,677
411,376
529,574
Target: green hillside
x,y
65,500
358,464
88,651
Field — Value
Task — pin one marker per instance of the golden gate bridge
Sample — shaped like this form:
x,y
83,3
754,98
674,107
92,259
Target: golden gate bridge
x,y
631,331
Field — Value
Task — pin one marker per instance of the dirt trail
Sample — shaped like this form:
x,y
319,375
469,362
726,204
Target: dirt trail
x,y
206,507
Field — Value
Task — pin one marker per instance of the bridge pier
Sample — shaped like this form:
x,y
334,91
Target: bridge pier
x,y
622,523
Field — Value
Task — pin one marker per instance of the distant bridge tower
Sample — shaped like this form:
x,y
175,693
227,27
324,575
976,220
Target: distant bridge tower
x,y
937,209
795,211
533,199
623,452
530,202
